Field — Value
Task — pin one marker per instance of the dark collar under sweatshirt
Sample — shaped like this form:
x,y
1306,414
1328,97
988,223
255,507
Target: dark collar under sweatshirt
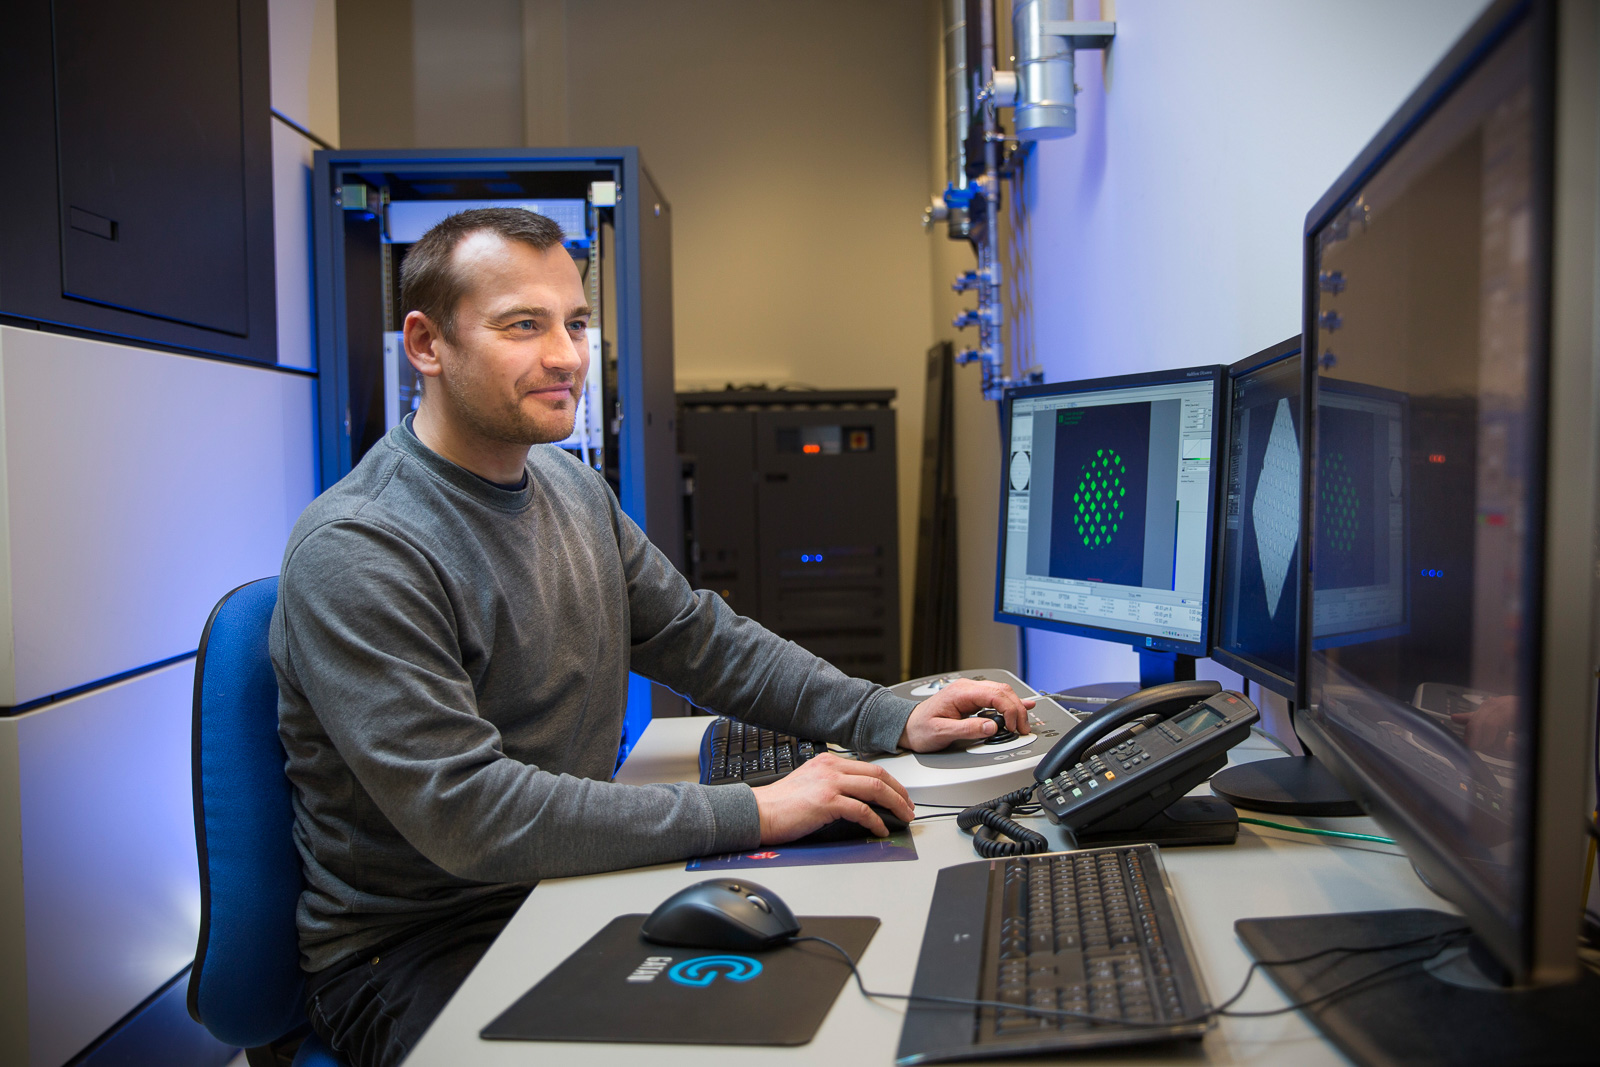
x,y
453,660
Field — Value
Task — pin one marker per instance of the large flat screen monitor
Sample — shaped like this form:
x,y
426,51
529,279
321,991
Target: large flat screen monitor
x,y
1450,274
1258,536
1107,508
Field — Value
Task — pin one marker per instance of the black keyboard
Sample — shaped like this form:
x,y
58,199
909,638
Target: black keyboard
x,y
733,751
1094,932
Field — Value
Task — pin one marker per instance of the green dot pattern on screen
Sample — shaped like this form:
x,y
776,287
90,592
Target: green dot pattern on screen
x,y
1338,503
1097,503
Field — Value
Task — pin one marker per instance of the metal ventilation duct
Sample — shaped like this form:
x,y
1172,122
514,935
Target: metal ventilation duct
x,y
1045,104
957,93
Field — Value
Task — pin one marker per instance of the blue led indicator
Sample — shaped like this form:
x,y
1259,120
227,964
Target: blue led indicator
x,y
1432,572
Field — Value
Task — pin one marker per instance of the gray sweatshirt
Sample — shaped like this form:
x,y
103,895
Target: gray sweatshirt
x,y
452,662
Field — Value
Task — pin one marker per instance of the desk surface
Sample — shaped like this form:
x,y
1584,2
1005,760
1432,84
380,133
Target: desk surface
x,y
1267,872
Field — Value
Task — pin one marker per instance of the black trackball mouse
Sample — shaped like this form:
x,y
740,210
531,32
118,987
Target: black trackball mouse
x,y
723,913
1001,733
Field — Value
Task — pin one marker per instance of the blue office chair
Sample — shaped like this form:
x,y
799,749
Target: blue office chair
x,y
246,987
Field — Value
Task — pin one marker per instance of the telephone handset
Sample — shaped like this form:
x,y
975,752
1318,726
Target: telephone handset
x,y
1163,700
1132,790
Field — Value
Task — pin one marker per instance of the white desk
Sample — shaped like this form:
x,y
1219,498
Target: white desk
x,y
1268,872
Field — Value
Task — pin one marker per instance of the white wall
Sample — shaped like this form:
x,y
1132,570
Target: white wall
x,y
132,504
467,91
110,888
790,140
1166,233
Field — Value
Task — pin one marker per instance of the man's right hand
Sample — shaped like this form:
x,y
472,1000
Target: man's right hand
x,y
823,789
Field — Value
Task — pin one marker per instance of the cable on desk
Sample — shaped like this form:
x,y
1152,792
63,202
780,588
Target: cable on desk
x,y
1436,942
1318,833
992,818
1025,813
1078,698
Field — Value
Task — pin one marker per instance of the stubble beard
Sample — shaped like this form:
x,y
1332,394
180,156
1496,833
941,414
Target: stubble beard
x,y
507,423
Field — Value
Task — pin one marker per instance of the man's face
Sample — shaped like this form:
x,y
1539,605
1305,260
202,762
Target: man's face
x,y
521,352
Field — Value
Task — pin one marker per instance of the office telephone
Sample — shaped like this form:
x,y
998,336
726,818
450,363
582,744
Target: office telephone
x,y
1120,777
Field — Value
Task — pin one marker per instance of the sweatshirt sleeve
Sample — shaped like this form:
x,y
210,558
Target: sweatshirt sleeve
x,y
364,635
691,641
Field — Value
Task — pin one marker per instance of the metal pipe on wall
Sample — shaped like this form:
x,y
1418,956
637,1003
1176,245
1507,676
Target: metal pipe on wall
x,y
957,93
1045,106
1042,94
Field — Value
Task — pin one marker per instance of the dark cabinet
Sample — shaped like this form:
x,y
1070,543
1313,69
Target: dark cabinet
x,y
137,200
795,519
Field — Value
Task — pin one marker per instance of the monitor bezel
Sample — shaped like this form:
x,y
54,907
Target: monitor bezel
x,y
1142,642
1541,946
1267,677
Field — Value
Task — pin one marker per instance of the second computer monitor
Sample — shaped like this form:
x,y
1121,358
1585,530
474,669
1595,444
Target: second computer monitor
x,y
1258,539
1107,508
1363,517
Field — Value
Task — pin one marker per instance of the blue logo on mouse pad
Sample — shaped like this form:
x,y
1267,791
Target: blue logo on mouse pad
x,y
704,970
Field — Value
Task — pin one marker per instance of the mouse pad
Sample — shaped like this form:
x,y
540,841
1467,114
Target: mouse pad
x,y
620,987
897,846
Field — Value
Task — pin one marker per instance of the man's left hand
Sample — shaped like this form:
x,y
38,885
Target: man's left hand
x,y
945,718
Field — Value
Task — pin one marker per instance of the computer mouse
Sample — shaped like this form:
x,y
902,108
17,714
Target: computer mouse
x,y
722,913
846,830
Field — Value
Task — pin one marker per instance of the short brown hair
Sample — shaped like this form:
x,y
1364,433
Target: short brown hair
x,y
429,282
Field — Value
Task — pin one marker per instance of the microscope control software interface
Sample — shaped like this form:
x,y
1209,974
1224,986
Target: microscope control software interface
x,y
1107,509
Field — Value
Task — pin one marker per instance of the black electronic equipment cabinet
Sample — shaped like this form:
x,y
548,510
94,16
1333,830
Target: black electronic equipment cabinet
x,y
370,206
795,518
136,199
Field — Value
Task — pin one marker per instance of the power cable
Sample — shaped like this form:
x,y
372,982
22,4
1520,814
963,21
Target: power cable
x,y
1438,941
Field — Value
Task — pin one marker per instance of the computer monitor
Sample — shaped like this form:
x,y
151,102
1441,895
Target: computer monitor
x,y
1107,507
1454,263
1258,564
1258,535
1365,518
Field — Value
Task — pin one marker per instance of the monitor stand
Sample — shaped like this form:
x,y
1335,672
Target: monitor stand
x,y
1287,785
1158,668
1284,785
1439,1008
1155,668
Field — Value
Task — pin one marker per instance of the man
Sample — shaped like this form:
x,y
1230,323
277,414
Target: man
x,y
455,625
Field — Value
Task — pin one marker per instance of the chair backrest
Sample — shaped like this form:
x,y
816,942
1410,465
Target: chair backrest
x,y
246,988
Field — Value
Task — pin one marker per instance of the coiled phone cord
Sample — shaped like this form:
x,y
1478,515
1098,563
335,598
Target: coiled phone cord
x,y
988,820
